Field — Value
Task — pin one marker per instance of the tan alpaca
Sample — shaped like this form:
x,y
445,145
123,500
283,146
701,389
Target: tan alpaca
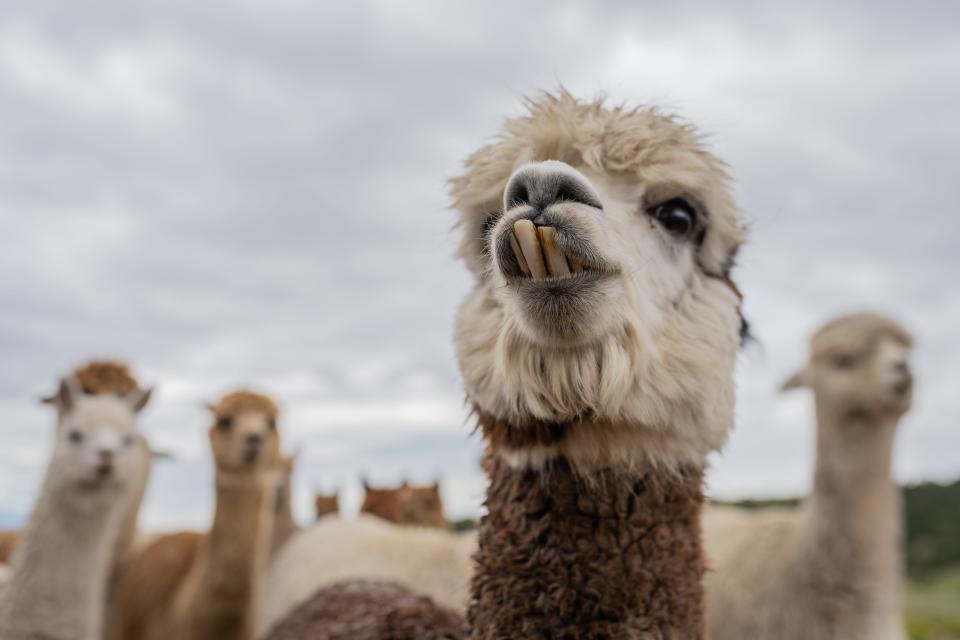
x,y
830,570
197,587
597,348
62,564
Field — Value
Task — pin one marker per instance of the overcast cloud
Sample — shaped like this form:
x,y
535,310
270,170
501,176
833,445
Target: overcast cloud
x,y
253,193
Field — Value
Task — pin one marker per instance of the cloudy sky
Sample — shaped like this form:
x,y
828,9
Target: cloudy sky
x,y
252,193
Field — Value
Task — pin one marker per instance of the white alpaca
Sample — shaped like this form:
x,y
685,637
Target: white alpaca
x,y
61,566
830,570
428,560
597,348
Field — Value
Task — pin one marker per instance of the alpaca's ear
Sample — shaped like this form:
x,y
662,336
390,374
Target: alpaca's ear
x,y
796,381
138,399
67,394
366,485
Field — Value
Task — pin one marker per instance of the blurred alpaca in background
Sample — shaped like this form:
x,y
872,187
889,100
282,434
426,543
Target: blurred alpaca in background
x,y
62,565
407,504
326,504
192,586
830,570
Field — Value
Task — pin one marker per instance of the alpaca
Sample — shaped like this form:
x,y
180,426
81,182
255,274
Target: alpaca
x,y
192,586
831,569
597,349
8,542
284,526
324,504
424,506
407,504
384,502
62,565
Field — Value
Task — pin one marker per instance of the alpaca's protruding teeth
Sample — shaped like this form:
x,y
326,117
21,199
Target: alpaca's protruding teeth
x,y
556,261
518,253
529,242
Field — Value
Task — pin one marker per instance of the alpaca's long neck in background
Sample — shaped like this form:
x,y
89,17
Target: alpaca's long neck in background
x,y
606,556
284,525
61,565
234,557
854,511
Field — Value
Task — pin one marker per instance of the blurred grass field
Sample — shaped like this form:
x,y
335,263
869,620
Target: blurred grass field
x,y
932,607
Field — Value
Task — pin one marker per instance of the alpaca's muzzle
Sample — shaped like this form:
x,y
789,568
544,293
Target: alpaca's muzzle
x,y
536,249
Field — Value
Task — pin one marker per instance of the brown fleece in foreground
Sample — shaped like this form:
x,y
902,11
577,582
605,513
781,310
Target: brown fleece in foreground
x,y
369,610
608,557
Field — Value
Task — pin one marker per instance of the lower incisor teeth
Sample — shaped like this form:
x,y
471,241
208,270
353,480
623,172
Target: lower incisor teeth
x,y
529,241
556,261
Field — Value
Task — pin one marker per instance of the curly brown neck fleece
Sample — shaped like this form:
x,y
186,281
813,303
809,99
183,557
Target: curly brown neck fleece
x,y
561,556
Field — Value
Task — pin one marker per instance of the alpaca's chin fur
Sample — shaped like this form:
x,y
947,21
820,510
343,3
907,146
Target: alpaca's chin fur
x,y
652,390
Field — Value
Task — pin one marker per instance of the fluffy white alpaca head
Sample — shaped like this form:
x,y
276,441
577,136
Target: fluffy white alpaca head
x,y
97,449
636,345
859,365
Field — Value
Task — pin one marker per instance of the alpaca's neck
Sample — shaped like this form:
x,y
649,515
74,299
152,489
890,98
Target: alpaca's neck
x,y
61,565
853,514
233,558
607,556
284,525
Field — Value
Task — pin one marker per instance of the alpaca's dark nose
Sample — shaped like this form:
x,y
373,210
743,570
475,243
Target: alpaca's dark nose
x,y
542,184
254,441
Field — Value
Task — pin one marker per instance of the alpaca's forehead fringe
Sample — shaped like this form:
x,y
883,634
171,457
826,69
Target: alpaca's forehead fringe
x,y
615,140
240,401
105,377
857,333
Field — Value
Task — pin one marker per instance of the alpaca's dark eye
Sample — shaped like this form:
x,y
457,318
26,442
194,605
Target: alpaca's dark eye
x,y
75,436
224,423
843,361
676,216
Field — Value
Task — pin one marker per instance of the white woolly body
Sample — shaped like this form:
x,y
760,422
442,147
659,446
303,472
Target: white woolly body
x,y
765,582
430,561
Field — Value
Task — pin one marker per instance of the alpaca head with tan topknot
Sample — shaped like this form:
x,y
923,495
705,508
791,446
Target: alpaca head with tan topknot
x,y
244,435
859,366
601,240
97,448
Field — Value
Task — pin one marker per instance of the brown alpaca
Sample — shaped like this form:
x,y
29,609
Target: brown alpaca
x,y
384,502
198,587
326,504
417,505
598,348
284,526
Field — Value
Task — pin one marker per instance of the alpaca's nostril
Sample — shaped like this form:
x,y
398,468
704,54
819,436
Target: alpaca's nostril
x,y
546,183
